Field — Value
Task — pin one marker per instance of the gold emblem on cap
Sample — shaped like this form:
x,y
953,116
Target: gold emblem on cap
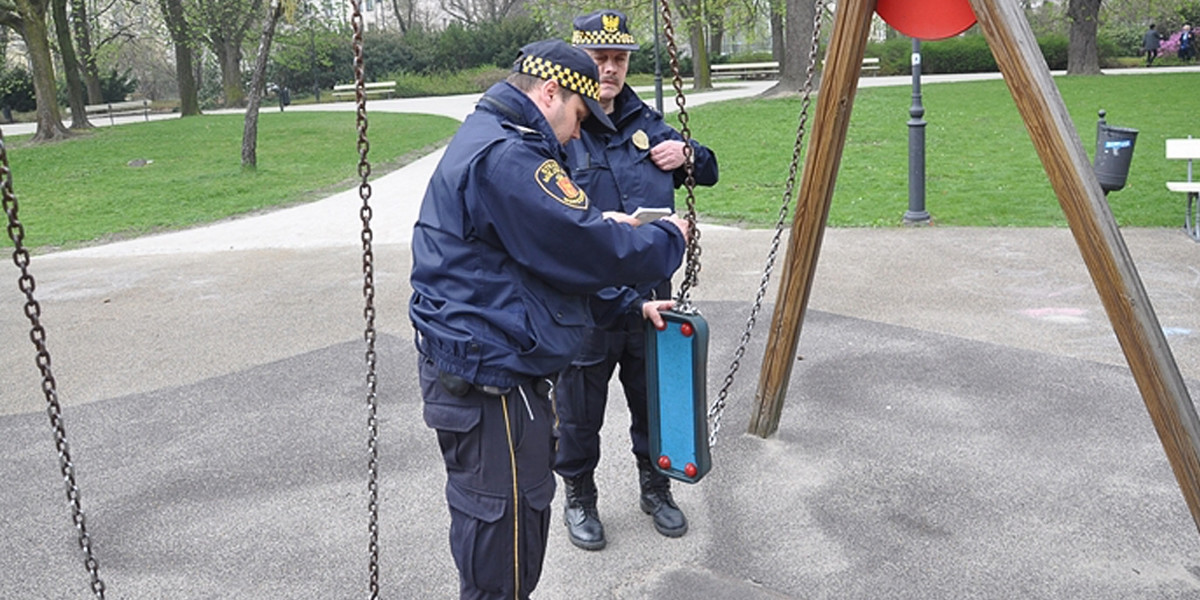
x,y
611,22
640,140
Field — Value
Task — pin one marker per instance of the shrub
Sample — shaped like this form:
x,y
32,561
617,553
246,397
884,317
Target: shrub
x,y
115,87
16,89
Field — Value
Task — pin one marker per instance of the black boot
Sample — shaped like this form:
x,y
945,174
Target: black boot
x,y
657,501
580,514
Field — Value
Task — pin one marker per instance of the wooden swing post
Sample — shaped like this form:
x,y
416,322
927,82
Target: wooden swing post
x,y
835,98
1099,239
1096,233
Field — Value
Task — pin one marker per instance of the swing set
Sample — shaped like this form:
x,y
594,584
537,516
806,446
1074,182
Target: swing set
x,y
683,430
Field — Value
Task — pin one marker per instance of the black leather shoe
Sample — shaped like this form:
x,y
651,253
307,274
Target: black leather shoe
x,y
583,520
658,502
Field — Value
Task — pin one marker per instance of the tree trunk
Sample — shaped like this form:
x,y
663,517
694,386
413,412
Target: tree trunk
x,y
798,32
701,76
37,43
1083,57
87,56
716,37
230,57
189,98
250,130
76,94
777,43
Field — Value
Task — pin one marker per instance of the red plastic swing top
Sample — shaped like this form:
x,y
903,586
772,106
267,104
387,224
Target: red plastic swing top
x,y
927,19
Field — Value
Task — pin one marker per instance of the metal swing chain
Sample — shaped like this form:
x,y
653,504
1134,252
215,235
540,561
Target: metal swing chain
x,y
718,405
16,232
364,192
691,270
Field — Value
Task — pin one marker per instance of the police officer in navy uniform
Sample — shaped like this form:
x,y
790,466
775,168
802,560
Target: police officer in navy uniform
x,y
640,164
508,254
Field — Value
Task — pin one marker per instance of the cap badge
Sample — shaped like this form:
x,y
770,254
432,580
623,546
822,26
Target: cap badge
x,y
611,22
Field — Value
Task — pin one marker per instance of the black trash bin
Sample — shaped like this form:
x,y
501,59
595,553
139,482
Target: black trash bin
x,y
1114,150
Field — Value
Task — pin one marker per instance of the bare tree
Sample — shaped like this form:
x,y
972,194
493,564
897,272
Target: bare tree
x,y
87,55
275,9
474,12
797,41
181,39
223,25
406,13
76,94
1083,57
28,19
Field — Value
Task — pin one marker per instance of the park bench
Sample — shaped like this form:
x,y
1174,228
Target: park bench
x,y
750,70
346,90
1189,150
870,64
770,69
119,109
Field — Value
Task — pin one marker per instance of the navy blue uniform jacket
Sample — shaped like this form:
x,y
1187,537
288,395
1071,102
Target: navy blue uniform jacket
x,y
618,174
507,249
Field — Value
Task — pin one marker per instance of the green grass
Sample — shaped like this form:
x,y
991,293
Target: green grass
x,y
981,167
83,190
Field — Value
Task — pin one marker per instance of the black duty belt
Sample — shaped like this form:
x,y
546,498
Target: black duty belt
x,y
457,386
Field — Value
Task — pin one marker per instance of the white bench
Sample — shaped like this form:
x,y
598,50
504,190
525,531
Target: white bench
x,y
344,90
765,70
118,109
751,70
1189,150
870,64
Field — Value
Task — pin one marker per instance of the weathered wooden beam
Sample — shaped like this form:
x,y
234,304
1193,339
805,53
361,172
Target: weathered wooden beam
x,y
827,138
1099,240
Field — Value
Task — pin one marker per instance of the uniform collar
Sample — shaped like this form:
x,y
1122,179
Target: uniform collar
x,y
515,107
626,105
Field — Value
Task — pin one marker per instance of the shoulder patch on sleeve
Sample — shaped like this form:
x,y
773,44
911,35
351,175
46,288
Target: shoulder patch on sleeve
x,y
558,185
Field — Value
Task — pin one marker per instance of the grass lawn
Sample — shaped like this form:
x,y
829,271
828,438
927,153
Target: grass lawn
x,y
84,190
981,167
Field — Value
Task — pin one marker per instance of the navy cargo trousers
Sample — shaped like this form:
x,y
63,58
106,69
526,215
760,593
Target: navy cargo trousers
x,y
498,447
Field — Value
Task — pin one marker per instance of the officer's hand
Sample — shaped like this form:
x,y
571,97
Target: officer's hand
x,y
620,217
651,309
668,155
679,222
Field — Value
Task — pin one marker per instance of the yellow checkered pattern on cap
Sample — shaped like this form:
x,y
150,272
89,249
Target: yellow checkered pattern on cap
x,y
602,38
576,82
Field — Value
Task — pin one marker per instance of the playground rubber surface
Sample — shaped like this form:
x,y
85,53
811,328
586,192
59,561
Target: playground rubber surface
x,y
960,423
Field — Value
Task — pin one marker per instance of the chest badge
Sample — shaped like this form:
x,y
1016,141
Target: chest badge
x,y
640,140
554,181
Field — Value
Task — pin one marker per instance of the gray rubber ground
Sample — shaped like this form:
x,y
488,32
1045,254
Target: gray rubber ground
x,y
961,424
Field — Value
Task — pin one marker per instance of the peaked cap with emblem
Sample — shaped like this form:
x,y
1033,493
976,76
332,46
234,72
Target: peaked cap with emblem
x,y
603,30
572,68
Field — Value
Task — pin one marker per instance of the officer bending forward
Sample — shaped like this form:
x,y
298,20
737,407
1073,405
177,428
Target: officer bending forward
x,y
506,254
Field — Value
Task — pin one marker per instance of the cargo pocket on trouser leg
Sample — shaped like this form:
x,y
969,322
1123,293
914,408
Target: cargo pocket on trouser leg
x,y
480,540
535,527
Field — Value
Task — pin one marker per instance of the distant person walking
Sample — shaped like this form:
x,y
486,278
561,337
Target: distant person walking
x,y
1187,44
1150,43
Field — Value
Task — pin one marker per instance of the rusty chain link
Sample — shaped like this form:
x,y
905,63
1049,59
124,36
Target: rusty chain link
x,y
364,192
37,334
718,405
691,270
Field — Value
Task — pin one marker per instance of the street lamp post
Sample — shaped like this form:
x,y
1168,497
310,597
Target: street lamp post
x,y
658,92
916,214
312,61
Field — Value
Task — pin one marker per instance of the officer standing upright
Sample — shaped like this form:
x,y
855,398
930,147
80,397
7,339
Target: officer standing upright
x,y
507,255
638,165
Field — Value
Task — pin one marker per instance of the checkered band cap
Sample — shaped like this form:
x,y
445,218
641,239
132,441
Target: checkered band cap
x,y
546,68
603,29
